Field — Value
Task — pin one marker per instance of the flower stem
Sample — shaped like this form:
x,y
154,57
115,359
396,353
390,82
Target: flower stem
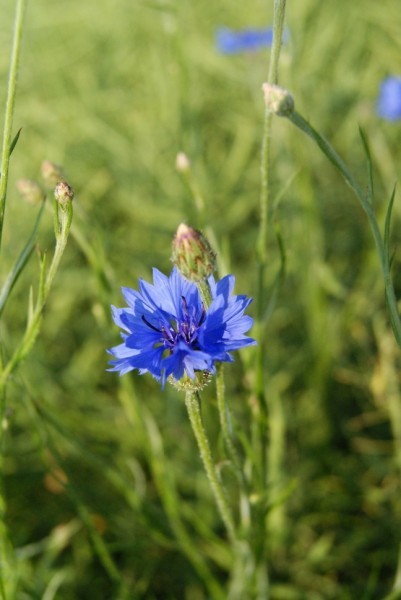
x,y
10,104
7,573
206,295
192,401
225,424
265,218
365,202
225,419
265,209
64,218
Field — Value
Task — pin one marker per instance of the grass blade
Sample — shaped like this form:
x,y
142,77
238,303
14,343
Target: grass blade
x,y
18,267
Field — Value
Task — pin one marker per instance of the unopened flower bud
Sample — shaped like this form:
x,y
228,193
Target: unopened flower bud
x,y
63,193
51,173
278,100
192,254
30,190
182,163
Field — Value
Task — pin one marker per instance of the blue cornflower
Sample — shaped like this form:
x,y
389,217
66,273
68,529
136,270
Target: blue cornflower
x,y
168,330
389,101
231,42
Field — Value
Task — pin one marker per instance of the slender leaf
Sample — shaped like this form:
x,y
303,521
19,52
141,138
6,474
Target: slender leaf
x,y
20,264
387,225
369,159
15,140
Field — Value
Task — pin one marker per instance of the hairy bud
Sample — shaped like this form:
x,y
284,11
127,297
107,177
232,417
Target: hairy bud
x,y
192,254
63,193
278,100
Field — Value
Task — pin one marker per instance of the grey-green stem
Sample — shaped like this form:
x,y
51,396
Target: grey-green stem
x,y
192,401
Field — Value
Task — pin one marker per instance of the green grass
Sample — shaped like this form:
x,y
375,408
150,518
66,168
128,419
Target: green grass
x,y
112,91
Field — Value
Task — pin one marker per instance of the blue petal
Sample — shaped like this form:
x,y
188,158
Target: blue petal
x,y
231,42
389,101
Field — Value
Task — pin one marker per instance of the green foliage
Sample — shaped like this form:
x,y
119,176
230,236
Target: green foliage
x,y
105,492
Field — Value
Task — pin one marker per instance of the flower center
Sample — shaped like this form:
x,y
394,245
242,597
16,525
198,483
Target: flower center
x,y
174,331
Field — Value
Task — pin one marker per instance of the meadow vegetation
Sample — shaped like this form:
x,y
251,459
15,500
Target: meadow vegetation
x,y
105,492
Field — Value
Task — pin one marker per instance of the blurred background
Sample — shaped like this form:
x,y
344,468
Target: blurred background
x,y
112,91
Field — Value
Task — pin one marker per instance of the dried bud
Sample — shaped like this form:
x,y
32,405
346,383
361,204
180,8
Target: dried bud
x,y
182,163
63,193
192,254
278,100
51,174
30,190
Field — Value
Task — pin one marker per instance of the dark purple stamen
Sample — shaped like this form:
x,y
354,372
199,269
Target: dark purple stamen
x,y
186,329
144,319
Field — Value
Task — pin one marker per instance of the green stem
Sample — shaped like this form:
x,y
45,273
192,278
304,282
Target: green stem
x,y
225,419
362,196
265,217
192,401
64,218
64,215
265,209
205,293
226,428
278,29
10,104
6,573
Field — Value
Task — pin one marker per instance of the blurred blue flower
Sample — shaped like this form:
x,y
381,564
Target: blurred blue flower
x,y
231,42
168,331
389,101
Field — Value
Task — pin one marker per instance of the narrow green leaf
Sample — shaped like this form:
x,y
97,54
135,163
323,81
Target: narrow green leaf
x,y
328,150
393,314
15,140
42,281
365,144
387,225
20,264
31,306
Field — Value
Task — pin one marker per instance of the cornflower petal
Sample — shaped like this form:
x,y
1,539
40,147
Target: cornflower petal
x,y
231,42
389,101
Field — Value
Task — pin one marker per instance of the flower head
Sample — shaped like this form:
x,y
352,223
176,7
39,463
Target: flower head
x,y
389,101
231,42
169,332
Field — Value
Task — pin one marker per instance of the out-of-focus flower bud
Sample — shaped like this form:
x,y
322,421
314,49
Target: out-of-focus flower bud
x,y
192,254
63,193
278,100
30,190
51,174
182,162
